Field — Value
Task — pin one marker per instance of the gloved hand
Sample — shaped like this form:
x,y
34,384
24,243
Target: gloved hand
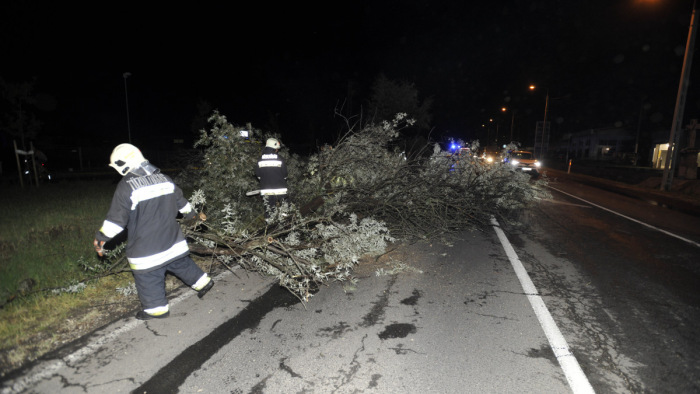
x,y
99,247
195,220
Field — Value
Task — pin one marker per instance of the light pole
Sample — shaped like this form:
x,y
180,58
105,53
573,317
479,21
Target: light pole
x,y
674,137
512,122
126,95
544,123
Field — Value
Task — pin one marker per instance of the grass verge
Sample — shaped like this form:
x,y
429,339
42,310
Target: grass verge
x,y
52,288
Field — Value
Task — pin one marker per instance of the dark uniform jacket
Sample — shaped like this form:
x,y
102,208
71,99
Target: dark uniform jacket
x,y
147,206
272,172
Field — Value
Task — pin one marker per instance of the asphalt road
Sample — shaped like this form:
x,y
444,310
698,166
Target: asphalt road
x,y
621,277
594,292
454,319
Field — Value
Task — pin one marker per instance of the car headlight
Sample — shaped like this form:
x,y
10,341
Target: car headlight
x,y
489,159
514,162
537,163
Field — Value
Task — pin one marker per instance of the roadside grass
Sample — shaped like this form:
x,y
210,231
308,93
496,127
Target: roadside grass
x,y
45,249
53,287
45,232
42,323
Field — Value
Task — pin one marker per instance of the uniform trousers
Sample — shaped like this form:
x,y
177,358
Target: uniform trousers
x,y
151,284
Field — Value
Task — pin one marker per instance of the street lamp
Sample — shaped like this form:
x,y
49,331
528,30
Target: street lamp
x,y
544,123
512,122
488,133
674,137
126,95
487,126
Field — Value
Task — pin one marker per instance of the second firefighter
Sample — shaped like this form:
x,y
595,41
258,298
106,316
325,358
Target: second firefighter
x,y
271,171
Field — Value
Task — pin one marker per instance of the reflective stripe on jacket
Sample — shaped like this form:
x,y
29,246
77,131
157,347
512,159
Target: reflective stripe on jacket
x,y
272,173
147,207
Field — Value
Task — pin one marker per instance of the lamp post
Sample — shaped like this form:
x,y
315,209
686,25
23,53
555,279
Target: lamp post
x,y
126,96
674,137
544,122
503,109
512,122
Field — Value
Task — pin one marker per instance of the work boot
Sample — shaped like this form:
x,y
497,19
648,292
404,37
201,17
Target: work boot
x,y
142,315
205,289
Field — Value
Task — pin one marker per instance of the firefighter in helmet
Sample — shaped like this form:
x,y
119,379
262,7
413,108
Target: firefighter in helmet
x,y
146,203
271,171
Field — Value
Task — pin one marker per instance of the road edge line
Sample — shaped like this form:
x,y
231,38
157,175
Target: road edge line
x,y
578,382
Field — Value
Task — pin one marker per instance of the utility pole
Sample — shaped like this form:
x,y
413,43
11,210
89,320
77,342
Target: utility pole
x,y
674,137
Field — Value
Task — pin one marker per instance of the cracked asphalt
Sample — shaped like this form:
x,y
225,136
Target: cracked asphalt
x,y
454,321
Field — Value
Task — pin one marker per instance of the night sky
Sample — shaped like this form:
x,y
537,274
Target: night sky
x,y
604,62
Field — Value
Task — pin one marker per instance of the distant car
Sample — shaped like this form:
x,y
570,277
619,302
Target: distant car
x,y
522,160
490,156
459,154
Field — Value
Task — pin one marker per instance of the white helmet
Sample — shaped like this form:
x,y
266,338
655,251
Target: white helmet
x,y
125,158
272,143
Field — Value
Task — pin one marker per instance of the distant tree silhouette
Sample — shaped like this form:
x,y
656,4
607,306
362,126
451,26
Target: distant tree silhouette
x,y
388,98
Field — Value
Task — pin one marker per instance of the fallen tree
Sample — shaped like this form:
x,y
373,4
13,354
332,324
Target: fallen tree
x,y
347,200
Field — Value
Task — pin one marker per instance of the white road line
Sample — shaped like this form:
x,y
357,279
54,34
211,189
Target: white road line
x,y
629,218
565,203
572,370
